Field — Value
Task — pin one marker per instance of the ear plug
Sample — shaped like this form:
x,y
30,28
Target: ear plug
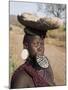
x,y
24,54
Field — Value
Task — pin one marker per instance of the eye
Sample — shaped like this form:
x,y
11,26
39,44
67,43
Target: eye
x,y
35,44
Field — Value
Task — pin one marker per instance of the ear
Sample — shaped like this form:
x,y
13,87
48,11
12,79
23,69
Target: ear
x,y
26,45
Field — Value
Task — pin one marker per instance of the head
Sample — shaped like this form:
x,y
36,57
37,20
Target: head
x,y
34,44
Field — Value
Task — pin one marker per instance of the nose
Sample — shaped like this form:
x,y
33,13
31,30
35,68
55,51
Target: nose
x,y
40,50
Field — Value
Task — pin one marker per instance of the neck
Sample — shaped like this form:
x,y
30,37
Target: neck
x,y
33,62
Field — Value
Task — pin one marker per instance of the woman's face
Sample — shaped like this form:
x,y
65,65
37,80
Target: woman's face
x,y
36,46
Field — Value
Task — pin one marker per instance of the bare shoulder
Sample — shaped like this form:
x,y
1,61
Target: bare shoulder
x,y
21,79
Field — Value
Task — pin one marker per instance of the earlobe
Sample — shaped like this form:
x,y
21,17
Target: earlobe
x,y
24,54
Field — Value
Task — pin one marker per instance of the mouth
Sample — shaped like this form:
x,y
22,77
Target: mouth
x,y
40,62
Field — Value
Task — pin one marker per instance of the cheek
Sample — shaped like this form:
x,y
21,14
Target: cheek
x,y
38,50
32,50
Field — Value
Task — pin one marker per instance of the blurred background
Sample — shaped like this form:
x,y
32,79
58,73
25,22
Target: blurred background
x,y
55,41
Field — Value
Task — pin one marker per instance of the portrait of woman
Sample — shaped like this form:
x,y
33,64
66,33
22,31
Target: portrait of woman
x,y
37,45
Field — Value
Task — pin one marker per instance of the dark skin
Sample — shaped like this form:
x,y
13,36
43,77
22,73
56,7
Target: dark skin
x,y
35,46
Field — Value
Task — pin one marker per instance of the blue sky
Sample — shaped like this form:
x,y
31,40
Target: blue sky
x,y
20,7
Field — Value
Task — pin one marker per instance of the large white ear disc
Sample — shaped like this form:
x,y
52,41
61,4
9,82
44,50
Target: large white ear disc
x,y
24,54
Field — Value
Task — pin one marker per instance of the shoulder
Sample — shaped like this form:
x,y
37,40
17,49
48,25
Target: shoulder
x,y
21,79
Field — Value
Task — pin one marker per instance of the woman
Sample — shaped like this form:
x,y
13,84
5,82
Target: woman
x,y
34,72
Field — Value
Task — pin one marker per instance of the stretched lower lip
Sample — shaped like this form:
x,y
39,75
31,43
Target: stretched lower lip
x,y
42,61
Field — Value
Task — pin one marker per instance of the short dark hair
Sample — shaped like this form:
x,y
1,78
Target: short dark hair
x,y
27,38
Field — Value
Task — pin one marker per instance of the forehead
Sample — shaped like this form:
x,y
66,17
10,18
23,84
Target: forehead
x,y
37,38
